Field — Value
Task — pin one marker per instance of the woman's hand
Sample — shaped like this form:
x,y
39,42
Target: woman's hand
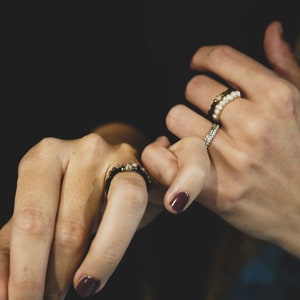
x,y
254,178
60,201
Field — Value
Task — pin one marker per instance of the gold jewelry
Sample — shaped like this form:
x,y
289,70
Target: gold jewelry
x,y
127,167
220,101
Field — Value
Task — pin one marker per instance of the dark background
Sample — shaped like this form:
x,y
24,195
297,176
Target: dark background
x,y
68,68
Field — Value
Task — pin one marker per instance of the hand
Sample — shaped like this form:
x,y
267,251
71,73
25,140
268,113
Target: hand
x,y
59,202
254,180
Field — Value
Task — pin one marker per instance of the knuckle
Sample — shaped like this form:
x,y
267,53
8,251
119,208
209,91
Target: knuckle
x,y
110,257
133,191
33,221
25,284
193,86
227,207
70,234
230,200
90,146
125,147
136,203
38,154
259,132
287,97
246,159
218,54
89,151
254,127
92,140
174,116
126,150
93,146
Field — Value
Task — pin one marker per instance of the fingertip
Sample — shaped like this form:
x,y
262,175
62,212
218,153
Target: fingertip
x,y
275,43
179,202
191,173
87,286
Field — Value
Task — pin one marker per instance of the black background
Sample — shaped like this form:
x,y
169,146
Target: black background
x,y
68,68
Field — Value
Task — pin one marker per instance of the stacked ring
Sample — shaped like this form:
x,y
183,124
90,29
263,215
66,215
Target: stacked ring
x,y
127,167
211,134
220,101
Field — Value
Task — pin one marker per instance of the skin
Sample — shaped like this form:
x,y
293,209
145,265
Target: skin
x,y
57,213
60,202
254,179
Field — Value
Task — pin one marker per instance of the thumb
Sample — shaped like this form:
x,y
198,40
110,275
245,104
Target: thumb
x,y
280,55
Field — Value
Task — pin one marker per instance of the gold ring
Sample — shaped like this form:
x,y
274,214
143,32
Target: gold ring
x,y
219,103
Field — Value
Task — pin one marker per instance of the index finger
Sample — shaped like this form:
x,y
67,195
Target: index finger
x,y
185,174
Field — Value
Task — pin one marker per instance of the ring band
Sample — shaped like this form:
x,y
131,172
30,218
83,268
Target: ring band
x,y
219,103
211,134
216,100
127,167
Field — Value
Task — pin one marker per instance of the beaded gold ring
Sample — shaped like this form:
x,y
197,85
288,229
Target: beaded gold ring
x,y
220,101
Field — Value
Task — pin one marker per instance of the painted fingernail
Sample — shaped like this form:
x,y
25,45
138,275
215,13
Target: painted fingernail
x,y
180,201
87,286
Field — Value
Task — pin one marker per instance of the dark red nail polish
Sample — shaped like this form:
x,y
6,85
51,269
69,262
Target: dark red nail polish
x,y
180,201
87,286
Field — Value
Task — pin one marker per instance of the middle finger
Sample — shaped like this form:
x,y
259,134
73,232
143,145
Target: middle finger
x,y
79,205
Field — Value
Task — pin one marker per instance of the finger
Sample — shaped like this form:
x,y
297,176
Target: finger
x,y
4,259
176,120
79,206
160,161
127,200
202,90
36,201
280,55
236,68
185,175
184,122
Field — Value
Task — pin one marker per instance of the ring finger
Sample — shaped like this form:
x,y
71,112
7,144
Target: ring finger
x,y
202,92
126,204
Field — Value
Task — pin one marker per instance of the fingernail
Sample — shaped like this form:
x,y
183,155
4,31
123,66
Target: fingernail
x,y
87,286
180,201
